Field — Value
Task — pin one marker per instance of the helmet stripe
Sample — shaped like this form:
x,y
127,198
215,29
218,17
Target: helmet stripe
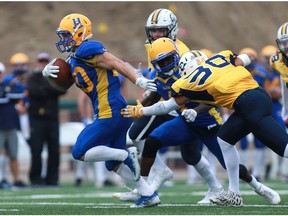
x,y
284,29
155,16
196,53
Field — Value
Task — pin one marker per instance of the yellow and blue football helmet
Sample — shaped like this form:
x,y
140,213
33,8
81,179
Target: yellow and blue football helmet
x,y
73,30
190,61
164,55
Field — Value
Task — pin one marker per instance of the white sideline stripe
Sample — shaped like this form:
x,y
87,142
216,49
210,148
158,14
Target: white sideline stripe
x,y
109,195
9,210
120,205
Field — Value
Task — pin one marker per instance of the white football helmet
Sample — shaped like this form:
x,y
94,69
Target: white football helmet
x,y
190,61
282,39
162,19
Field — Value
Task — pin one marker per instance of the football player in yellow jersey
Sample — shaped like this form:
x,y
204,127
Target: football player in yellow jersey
x,y
221,81
279,62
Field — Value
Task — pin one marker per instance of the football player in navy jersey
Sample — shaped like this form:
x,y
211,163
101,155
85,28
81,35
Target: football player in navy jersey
x,y
184,95
95,72
160,23
165,55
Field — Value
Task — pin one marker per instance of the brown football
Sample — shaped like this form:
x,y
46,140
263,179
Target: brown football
x,y
64,80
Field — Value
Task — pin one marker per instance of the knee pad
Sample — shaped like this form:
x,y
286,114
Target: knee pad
x,y
190,155
151,147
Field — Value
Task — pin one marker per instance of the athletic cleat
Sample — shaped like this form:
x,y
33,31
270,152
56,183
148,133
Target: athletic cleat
x,y
147,201
227,198
160,177
270,195
212,192
132,162
126,196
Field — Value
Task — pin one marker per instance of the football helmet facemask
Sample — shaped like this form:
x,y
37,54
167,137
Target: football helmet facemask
x,y
190,61
164,55
72,31
282,40
162,19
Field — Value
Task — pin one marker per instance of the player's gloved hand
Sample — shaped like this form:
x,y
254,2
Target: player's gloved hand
x,y
146,84
51,70
189,114
142,82
131,111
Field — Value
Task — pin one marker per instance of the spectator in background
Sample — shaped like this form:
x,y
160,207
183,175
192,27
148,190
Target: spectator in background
x,y
44,122
4,100
11,91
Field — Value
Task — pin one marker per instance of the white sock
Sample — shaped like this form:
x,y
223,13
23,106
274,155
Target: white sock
x,y
254,183
139,145
259,158
100,174
79,169
243,156
2,167
232,161
141,185
125,173
143,188
157,165
104,153
203,168
286,151
212,161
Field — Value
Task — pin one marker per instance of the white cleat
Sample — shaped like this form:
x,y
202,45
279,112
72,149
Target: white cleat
x,y
270,195
227,198
147,201
126,196
160,177
212,192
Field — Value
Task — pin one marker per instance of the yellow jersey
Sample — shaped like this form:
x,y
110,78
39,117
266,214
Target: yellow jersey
x,y
277,63
217,81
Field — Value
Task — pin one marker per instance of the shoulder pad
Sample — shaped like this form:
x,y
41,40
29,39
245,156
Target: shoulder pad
x,y
89,49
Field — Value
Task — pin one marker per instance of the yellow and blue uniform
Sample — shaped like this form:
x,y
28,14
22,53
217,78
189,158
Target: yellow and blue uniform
x,y
103,88
220,83
188,134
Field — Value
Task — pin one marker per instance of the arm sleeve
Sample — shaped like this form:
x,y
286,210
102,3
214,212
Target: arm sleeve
x,y
161,108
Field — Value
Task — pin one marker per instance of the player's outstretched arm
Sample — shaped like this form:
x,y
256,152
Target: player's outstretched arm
x,y
109,61
160,108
